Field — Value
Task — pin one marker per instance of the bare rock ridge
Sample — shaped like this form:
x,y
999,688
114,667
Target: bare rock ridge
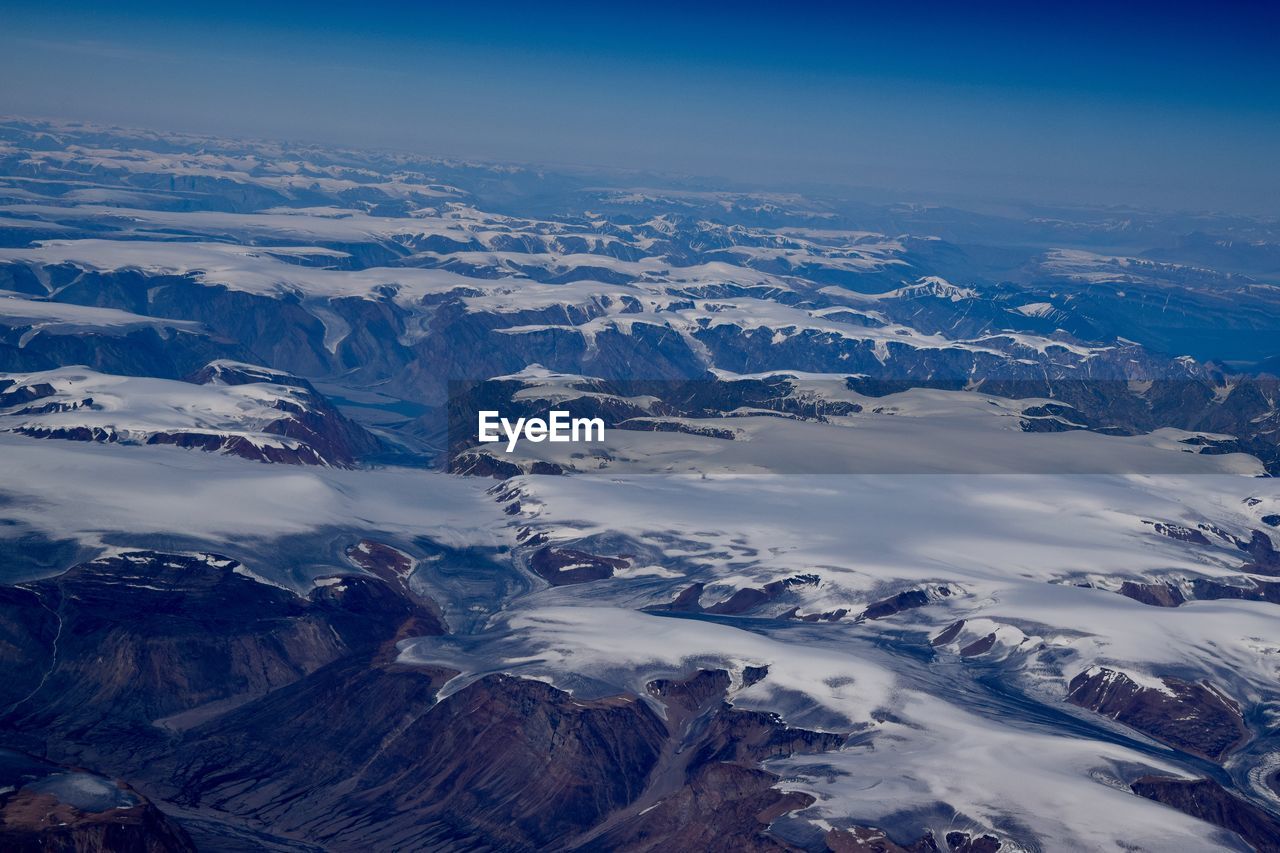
x,y
1190,716
1210,802
214,692
45,807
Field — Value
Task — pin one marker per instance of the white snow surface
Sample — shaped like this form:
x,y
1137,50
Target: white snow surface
x,y
93,492
1010,548
132,409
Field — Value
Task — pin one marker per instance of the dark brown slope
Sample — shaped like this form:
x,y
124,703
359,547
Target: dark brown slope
x,y
45,807
1210,802
261,711
1189,716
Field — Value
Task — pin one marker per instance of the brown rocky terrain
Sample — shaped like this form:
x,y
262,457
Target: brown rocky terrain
x,y
1192,717
46,808
264,711
1209,801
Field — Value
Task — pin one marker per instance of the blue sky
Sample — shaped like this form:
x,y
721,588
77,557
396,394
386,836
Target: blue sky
x,y
1172,105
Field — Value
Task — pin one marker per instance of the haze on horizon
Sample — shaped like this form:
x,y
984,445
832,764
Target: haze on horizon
x,y
1162,105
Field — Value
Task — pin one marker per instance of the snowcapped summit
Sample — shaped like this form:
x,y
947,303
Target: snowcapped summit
x,y
934,285
243,410
227,372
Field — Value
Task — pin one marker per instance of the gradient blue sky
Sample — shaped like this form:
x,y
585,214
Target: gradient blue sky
x,y
1171,105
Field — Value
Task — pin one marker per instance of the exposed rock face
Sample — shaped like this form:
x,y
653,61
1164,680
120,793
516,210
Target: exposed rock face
x,y
564,566
40,823
1265,559
1169,594
749,598
1179,532
1154,594
980,646
962,842
721,807
1209,801
1246,589
482,464
1192,717
896,604
948,634
148,349
654,425
44,808
906,600
234,445
865,839
514,762
264,711
121,648
686,601
706,792
740,601
395,567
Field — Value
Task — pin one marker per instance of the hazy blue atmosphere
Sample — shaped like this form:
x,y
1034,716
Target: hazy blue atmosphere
x,y
1169,105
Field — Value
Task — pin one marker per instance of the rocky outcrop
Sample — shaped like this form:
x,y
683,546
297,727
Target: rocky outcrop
x,y
740,601
387,766
474,463
672,425
565,566
1193,717
1179,532
1208,801
1245,589
749,598
1264,559
866,839
980,646
905,600
235,445
686,601
1167,594
707,792
1154,594
118,650
268,713
510,762
45,808
963,842
39,823
948,635
138,351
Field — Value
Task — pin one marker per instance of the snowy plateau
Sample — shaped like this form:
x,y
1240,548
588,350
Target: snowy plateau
x,y
904,528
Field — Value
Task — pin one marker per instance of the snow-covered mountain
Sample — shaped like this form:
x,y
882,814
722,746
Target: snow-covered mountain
x,y
913,528
228,407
